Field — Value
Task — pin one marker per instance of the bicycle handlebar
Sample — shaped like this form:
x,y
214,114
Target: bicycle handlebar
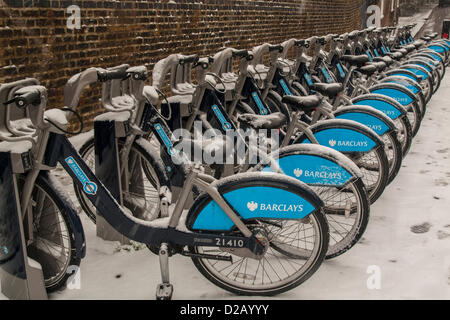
x,y
24,98
277,47
106,75
193,58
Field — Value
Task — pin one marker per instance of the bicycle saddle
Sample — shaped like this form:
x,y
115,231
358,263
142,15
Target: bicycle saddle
x,y
410,47
307,103
380,65
328,89
271,121
402,50
385,59
368,70
358,61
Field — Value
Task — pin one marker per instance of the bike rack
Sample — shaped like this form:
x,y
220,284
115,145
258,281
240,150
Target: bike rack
x,y
21,277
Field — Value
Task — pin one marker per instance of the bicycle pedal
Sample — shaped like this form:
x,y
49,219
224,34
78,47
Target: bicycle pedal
x,y
164,291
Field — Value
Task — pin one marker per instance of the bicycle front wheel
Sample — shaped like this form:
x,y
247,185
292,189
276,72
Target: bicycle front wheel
x,y
142,193
50,241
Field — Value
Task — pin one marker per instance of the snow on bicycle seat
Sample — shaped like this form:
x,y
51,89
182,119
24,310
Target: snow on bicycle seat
x,y
22,125
410,47
396,55
380,65
259,72
307,103
328,89
386,59
358,60
271,121
402,50
368,70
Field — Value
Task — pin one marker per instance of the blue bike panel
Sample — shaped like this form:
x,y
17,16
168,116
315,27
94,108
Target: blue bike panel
x,y
368,120
253,202
438,49
408,86
262,110
398,95
166,140
344,140
369,55
436,57
89,187
225,124
326,75
308,79
376,53
383,106
312,169
418,72
401,74
285,87
341,70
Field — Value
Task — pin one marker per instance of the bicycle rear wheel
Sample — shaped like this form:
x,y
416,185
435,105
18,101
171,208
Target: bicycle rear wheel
x,y
295,248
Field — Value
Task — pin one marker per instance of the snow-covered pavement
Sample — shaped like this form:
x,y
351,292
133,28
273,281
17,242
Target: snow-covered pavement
x,y
407,240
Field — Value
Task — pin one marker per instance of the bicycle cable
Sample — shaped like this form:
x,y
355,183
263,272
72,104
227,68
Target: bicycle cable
x,y
80,119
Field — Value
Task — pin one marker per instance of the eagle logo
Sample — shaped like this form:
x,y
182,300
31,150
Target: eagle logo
x,y
252,206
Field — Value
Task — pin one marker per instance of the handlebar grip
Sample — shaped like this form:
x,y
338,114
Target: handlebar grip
x,y
203,62
193,58
322,40
106,75
240,53
277,47
299,43
25,99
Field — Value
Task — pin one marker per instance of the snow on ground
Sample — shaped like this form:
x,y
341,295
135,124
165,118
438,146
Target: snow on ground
x,y
408,239
420,18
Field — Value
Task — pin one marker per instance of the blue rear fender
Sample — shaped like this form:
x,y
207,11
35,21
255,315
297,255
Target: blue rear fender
x,y
345,136
387,105
368,116
253,195
313,164
398,92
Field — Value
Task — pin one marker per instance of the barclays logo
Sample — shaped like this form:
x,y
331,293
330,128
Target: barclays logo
x,y
252,206
298,172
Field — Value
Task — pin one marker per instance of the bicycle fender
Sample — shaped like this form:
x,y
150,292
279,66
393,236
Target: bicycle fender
x,y
395,91
253,195
368,116
385,104
343,135
314,165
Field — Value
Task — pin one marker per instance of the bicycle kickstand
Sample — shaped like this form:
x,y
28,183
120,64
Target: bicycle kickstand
x,y
164,291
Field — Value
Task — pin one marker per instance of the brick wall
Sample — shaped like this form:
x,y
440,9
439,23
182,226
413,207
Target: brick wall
x,y
35,40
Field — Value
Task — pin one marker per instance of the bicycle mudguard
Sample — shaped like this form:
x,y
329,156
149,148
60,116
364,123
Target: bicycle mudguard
x,y
395,91
345,136
418,70
387,105
253,195
368,116
314,165
407,83
404,73
72,214
438,48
